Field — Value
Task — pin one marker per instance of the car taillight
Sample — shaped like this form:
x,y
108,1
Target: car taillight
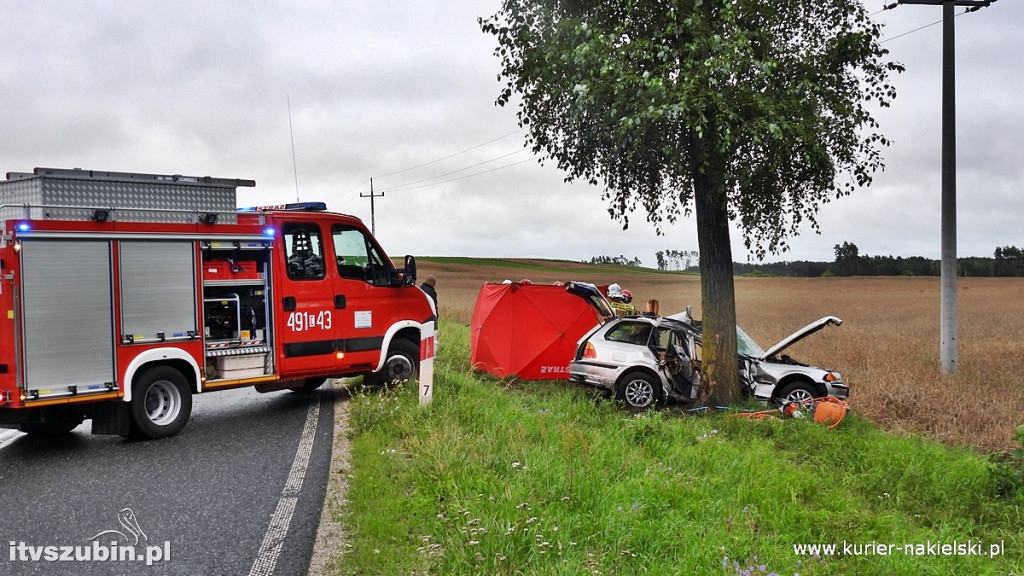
x,y
590,351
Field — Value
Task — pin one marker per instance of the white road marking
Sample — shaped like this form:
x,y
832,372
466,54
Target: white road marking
x,y
273,540
8,436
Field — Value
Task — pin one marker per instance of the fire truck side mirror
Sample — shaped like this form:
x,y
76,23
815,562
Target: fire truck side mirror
x,y
405,276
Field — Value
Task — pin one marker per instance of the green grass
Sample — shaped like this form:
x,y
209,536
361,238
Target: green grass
x,y
550,478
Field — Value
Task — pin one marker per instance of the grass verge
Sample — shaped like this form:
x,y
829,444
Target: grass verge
x,y
548,478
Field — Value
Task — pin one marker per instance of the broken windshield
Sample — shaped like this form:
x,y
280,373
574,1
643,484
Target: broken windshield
x,y
746,346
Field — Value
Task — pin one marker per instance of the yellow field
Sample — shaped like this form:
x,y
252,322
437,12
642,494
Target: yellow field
x,y
887,348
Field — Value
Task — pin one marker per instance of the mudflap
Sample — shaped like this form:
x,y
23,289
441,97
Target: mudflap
x,y
110,418
11,418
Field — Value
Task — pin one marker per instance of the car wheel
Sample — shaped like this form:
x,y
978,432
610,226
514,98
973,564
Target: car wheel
x,y
797,392
638,391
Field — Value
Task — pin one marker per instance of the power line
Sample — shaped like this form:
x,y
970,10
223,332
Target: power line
x,y
893,5
912,31
450,155
412,185
357,186
426,182
429,181
416,184
474,174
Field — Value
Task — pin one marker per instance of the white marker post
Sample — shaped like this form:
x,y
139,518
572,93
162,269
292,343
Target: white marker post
x,y
428,344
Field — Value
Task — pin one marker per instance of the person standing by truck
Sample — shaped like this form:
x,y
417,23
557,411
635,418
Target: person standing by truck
x,y
429,286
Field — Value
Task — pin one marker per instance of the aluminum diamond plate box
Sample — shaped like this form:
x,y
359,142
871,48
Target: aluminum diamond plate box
x,y
56,194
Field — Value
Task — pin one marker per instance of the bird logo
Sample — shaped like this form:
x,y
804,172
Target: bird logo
x,y
130,524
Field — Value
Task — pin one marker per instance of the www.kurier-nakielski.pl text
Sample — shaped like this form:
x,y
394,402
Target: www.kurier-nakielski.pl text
x,y
928,548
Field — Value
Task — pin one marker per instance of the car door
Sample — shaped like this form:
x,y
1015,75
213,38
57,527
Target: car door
x,y
678,351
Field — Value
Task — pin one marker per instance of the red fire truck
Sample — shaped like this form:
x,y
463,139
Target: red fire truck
x,y
125,294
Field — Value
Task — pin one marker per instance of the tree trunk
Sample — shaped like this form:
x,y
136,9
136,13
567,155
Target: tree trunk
x,y
719,363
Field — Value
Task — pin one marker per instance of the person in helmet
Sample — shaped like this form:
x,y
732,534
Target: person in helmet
x,y
618,301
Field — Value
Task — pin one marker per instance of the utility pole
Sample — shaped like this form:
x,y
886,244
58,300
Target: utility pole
x,y
948,344
371,196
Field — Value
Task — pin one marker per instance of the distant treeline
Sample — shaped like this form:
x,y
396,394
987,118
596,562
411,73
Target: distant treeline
x,y
620,260
1005,261
676,259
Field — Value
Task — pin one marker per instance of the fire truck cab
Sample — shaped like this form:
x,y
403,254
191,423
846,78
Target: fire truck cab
x,y
125,294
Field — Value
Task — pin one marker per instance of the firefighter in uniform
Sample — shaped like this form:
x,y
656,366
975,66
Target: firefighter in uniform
x,y
619,302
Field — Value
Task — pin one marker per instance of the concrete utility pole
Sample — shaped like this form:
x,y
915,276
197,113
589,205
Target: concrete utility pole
x,y
948,344
371,196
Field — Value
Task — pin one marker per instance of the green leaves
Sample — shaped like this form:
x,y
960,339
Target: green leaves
x,y
618,92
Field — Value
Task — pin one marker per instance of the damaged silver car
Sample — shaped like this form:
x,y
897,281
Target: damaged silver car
x,y
644,361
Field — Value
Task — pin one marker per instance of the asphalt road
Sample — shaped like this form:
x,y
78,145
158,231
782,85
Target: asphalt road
x,y
237,492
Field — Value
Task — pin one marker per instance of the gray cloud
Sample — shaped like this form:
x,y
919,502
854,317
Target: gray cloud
x,y
385,92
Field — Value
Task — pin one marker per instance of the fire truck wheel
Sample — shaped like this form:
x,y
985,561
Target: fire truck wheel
x,y
309,384
402,363
161,403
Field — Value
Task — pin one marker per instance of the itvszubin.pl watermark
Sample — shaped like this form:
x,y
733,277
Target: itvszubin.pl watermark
x,y
127,544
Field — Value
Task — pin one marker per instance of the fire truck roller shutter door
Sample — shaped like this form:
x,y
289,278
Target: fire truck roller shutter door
x,y
67,302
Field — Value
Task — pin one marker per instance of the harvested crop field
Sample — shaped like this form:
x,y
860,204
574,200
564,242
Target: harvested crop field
x,y
887,348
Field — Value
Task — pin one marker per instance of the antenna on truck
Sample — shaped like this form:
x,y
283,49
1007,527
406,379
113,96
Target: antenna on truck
x,y
295,168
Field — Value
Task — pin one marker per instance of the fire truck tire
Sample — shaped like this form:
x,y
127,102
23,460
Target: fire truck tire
x,y
402,363
161,403
309,384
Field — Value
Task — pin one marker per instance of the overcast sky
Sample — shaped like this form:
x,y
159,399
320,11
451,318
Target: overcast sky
x,y
404,93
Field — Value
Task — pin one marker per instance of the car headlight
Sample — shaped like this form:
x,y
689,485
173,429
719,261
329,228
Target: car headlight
x,y
830,377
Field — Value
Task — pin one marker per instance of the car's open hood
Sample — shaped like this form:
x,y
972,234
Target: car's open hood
x,y
801,334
